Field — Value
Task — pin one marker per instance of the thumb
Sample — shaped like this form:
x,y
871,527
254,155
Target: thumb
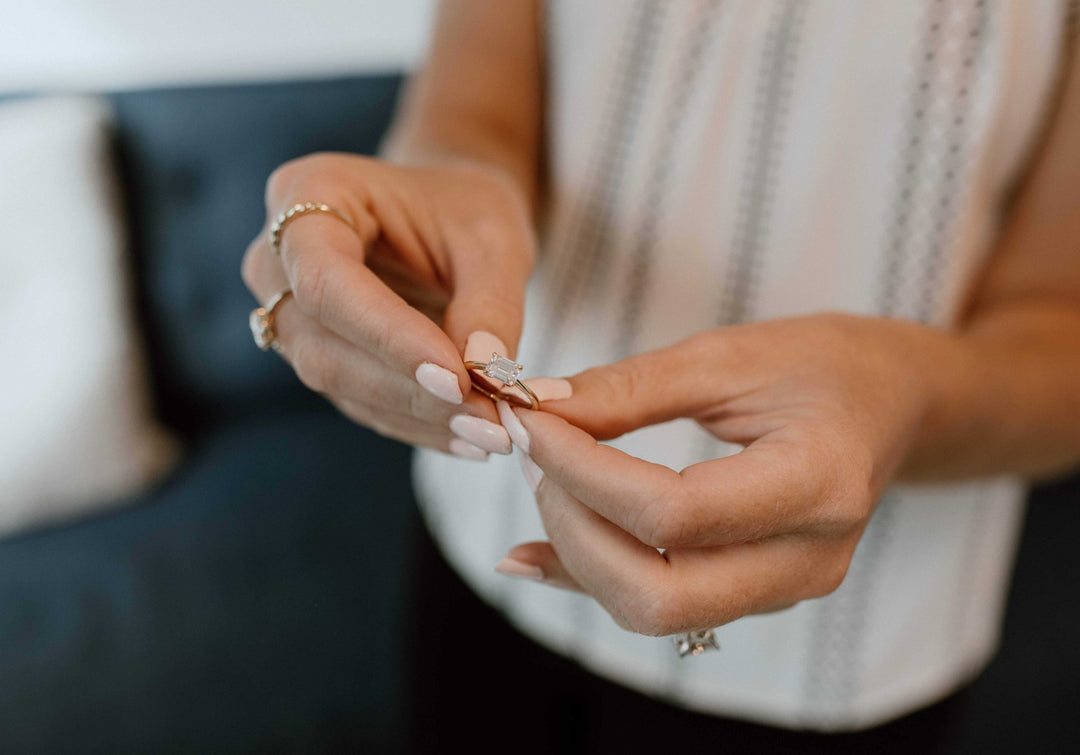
x,y
645,389
486,309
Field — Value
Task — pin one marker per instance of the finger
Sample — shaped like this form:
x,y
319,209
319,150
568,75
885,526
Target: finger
x,y
328,364
409,430
261,271
761,491
323,260
617,570
488,284
537,561
645,389
683,589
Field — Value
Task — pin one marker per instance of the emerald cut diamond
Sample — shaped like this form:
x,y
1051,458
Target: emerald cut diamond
x,y
502,369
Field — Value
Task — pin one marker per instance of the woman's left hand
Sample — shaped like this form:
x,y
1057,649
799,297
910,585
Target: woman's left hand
x,y
826,407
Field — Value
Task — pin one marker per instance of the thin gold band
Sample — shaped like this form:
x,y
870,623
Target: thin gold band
x,y
303,208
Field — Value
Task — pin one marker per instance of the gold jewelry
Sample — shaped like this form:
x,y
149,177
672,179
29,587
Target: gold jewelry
x,y
505,371
262,319
304,208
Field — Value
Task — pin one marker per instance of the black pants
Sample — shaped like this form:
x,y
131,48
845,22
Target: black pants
x,y
476,682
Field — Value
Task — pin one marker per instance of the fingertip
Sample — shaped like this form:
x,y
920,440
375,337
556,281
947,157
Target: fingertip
x,y
481,344
512,567
538,561
518,434
550,389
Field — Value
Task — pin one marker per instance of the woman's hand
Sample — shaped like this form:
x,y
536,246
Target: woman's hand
x,y
826,407
380,317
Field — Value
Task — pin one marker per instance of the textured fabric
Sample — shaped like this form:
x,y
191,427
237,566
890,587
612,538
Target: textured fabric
x,y
719,162
77,430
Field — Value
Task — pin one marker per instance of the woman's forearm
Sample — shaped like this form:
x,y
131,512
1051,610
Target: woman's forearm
x,y
1004,396
479,96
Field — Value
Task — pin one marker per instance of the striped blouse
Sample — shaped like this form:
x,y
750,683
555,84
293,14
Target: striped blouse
x,y
719,161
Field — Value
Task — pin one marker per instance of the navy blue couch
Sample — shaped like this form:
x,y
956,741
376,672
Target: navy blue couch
x,y
253,601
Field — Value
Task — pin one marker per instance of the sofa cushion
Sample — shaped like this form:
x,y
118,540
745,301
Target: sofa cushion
x,y
250,603
195,163
77,431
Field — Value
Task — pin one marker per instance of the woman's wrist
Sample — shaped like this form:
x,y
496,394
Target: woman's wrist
x,y
945,367
1001,395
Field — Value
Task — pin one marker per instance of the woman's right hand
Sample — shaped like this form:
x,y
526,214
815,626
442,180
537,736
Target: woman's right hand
x,y
382,317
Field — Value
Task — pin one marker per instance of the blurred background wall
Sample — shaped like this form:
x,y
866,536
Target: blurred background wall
x,y
125,44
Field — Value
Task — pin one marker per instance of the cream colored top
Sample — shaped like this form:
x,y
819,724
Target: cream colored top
x,y
730,160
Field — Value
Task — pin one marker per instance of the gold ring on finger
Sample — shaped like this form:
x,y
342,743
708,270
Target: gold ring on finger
x,y
505,371
262,320
302,208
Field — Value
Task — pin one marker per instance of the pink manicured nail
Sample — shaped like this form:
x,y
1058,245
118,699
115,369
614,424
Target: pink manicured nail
x,y
511,567
440,382
550,389
518,434
534,475
481,344
480,432
467,450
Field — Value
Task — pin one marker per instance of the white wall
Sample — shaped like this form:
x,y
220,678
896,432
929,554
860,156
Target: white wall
x,y
126,44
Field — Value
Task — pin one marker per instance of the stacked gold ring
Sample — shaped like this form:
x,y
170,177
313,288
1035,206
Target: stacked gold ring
x,y
303,208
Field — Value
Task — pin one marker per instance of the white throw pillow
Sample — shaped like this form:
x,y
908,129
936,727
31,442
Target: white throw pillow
x,y
76,430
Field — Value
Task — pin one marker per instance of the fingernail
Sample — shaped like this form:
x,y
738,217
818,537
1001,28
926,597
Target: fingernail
x,y
481,344
480,432
439,381
550,389
534,475
467,450
511,567
518,434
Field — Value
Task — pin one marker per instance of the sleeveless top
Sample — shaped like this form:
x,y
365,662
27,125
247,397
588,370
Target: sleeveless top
x,y
719,161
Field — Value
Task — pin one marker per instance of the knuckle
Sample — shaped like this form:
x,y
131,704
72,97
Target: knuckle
x,y
659,613
662,522
622,383
840,482
627,379
849,498
316,175
678,516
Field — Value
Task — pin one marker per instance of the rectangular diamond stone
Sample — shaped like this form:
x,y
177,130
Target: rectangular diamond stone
x,y
501,368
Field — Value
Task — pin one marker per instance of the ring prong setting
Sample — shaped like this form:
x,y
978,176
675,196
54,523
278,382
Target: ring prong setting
x,y
506,371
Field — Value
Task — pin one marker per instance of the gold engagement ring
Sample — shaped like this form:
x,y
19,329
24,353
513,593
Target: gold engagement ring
x,y
505,371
